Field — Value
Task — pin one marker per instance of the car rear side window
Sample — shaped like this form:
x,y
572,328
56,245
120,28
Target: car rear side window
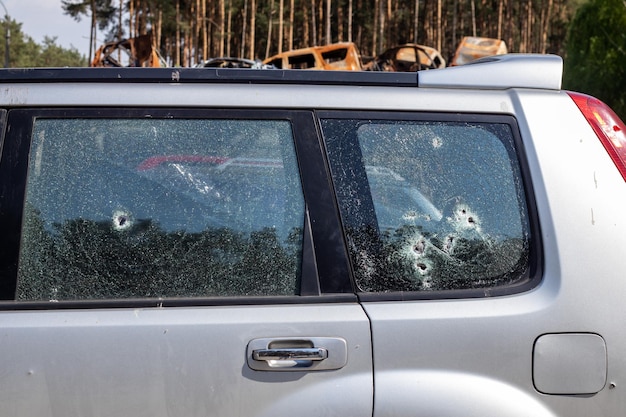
x,y
132,208
430,205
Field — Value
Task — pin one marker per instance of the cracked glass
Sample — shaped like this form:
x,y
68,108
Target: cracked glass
x,y
429,206
136,208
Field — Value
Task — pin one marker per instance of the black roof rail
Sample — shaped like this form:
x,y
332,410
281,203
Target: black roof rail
x,y
492,73
207,75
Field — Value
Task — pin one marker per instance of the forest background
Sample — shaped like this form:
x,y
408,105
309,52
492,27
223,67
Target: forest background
x,y
189,31
589,34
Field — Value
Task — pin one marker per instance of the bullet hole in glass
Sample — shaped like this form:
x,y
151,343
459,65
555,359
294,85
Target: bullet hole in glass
x,y
419,247
122,220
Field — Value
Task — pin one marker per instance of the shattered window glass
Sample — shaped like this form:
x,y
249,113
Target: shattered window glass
x,y
128,208
429,206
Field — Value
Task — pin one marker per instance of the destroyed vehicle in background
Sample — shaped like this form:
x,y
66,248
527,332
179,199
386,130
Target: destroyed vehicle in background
x,y
407,58
230,62
338,56
133,52
471,48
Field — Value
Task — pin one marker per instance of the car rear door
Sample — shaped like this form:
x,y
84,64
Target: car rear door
x,y
446,249
174,262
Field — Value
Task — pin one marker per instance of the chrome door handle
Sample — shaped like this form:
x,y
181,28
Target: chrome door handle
x,y
297,354
287,354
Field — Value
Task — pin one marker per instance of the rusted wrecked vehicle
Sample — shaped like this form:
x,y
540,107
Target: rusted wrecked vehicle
x,y
231,62
337,56
132,52
407,58
471,48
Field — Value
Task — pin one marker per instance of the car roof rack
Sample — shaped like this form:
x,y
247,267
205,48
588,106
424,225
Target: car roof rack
x,y
496,72
207,75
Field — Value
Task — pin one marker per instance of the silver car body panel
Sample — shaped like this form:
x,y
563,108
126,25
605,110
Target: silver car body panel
x,y
177,361
481,350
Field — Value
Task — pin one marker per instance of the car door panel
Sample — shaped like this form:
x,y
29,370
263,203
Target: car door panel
x,y
444,254
154,249
177,361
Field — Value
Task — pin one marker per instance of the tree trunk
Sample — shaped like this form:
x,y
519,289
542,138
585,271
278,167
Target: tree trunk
x,y
92,33
439,26
510,26
416,21
197,25
138,20
473,18
313,23
329,38
320,28
229,27
244,19
546,28
349,20
381,26
157,32
427,24
500,10
455,8
204,30
252,28
389,26
177,46
339,23
120,34
131,11
269,30
375,28
187,47
529,26
291,22
281,7
222,39
306,25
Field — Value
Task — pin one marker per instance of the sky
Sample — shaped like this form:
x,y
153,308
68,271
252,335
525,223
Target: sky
x,y
40,18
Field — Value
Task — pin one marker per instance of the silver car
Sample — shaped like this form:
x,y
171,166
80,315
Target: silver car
x,y
213,242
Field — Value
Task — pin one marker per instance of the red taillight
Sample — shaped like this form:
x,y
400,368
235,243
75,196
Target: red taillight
x,y
609,128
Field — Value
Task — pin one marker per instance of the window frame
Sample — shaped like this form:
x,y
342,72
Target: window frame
x,y
533,274
324,265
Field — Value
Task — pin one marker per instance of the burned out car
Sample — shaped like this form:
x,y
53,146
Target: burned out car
x,y
444,242
232,62
407,58
472,48
342,56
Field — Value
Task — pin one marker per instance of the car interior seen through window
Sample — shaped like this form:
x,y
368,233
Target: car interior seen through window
x,y
132,208
430,205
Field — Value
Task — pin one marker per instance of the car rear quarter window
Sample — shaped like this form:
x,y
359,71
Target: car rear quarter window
x,y
431,206
124,208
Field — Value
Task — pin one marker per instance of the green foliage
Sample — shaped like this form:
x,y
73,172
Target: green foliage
x,y
105,11
595,61
83,259
24,52
53,55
